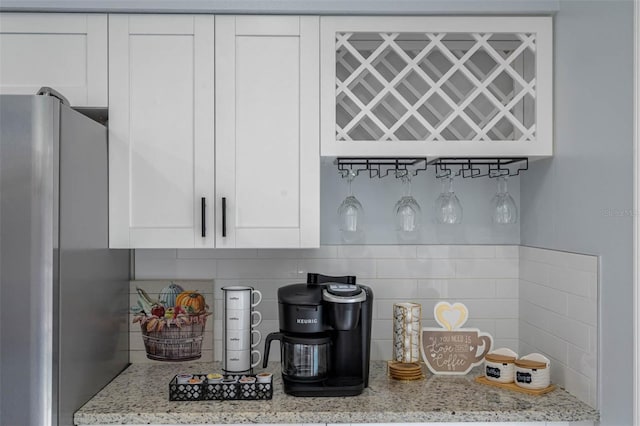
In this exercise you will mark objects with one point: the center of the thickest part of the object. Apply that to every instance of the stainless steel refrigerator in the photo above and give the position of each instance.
(63, 293)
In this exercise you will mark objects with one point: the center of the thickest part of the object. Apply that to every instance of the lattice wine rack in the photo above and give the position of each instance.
(412, 86)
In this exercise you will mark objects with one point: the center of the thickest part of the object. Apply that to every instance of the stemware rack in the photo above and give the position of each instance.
(444, 167)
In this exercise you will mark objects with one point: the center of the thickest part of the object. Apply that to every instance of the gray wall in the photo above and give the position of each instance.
(581, 200)
(379, 196)
(289, 6)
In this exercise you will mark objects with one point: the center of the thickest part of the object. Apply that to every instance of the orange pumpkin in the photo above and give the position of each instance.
(192, 301)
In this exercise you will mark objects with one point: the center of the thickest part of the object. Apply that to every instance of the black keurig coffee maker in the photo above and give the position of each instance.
(325, 336)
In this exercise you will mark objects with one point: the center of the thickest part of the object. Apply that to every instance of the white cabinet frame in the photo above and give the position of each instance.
(75, 36)
(243, 156)
(124, 232)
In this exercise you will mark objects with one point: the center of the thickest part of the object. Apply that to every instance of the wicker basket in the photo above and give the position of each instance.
(174, 343)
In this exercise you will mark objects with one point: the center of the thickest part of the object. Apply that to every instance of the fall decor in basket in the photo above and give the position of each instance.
(173, 333)
(191, 301)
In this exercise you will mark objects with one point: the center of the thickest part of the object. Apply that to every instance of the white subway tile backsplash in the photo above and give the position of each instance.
(402, 289)
(534, 272)
(432, 289)
(507, 288)
(581, 361)
(563, 259)
(507, 252)
(559, 316)
(361, 268)
(377, 252)
(569, 330)
(506, 329)
(155, 254)
(381, 349)
(470, 288)
(545, 297)
(579, 385)
(572, 280)
(415, 268)
(324, 252)
(583, 309)
(487, 268)
(381, 329)
(456, 252)
(502, 342)
(534, 314)
(268, 287)
(175, 269)
(496, 309)
(257, 268)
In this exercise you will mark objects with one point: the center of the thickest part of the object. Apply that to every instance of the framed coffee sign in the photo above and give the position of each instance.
(451, 349)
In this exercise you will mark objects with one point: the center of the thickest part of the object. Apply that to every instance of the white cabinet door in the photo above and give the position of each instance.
(436, 86)
(161, 131)
(67, 52)
(267, 131)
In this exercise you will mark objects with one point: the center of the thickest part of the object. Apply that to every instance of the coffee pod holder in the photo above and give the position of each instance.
(229, 388)
(407, 319)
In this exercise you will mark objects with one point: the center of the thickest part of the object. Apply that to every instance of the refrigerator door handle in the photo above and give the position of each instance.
(48, 91)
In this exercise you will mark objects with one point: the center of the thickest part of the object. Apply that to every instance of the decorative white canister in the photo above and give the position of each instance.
(532, 371)
(499, 365)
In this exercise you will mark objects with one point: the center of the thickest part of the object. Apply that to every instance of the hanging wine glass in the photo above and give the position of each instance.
(407, 210)
(448, 207)
(351, 215)
(505, 211)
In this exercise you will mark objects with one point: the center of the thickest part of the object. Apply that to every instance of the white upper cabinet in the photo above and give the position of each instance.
(436, 86)
(176, 179)
(67, 52)
(267, 131)
(161, 131)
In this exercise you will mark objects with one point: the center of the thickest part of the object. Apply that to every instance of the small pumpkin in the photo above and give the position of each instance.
(169, 294)
(191, 301)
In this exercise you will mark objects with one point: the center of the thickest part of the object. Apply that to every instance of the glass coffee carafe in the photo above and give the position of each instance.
(304, 359)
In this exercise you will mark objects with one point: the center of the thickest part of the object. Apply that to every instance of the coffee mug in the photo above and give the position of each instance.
(242, 339)
(242, 319)
(454, 351)
(241, 297)
(240, 361)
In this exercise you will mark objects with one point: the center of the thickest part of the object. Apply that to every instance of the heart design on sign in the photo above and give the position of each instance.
(451, 317)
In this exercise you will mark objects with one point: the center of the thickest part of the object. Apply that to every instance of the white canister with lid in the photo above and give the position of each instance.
(533, 372)
(499, 365)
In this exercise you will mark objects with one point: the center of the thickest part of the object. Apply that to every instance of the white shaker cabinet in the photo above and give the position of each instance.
(65, 51)
(436, 86)
(161, 131)
(249, 151)
(267, 131)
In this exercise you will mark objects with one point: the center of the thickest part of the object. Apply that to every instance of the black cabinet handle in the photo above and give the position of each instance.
(224, 216)
(203, 212)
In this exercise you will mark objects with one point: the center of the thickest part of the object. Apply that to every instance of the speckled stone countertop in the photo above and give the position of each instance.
(140, 395)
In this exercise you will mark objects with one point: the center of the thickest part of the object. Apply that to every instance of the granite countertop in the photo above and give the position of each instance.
(140, 395)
